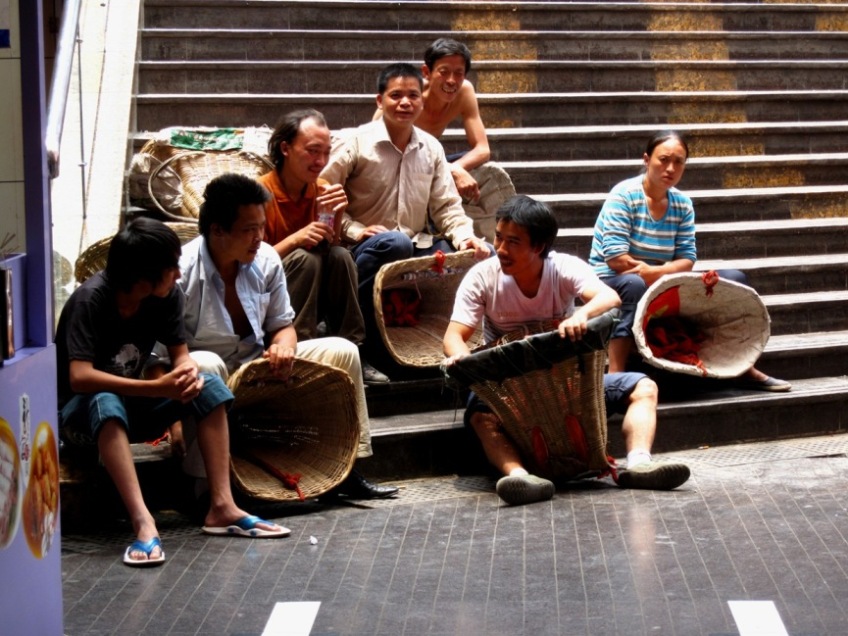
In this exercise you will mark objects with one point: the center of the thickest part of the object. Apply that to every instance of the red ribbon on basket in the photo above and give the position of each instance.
(710, 279)
(439, 265)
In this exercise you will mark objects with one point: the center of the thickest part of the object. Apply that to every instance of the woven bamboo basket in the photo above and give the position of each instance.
(93, 258)
(196, 168)
(421, 345)
(732, 321)
(548, 393)
(304, 429)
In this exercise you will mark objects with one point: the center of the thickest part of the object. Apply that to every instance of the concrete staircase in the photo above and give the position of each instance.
(570, 92)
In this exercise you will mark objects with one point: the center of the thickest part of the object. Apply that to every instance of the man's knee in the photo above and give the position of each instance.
(303, 262)
(646, 390)
(212, 363)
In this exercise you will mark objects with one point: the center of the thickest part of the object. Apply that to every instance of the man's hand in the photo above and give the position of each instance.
(371, 230)
(481, 250)
(333, 197)
(281, 359)
(451, 359)
(467, 186)
(183, 383)
(309, 236)
(573, 327)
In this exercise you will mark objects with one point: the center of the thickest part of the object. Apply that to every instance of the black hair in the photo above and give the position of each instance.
(662, 137)
(142, 251)
(535, 217)
(223, 197)
(399, 69)
(287, 129)
(443, 47)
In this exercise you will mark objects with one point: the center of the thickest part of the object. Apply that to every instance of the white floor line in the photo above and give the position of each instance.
(757, 618)
(292, 619)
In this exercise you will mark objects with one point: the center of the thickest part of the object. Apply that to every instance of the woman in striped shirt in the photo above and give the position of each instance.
(646, 229)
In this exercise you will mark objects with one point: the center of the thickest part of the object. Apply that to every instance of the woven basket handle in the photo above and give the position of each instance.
(155, 175)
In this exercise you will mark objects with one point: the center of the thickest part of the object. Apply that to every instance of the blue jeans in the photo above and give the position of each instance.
(631, 287)
(149, 417)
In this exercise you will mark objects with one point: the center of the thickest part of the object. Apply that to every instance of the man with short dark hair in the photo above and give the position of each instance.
(402, 201)
(237, 305)
(529, 283)
(105, 335)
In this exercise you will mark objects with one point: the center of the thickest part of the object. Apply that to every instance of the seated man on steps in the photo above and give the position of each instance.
(301, 222)
(448, 96)
(237, 306)
(105, 335)
(399, 190)
(528, 283)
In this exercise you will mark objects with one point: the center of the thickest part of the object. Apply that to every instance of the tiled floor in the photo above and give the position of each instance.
(764, 522)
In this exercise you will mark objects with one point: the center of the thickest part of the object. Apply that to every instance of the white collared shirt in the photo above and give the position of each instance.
(261, 289)
(394, 188)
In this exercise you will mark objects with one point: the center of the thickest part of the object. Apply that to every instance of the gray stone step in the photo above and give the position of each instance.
(716, 206)
(501, 76)
(702, 173)
(628, 141)
(155, 111)
(267, 42)
(808, 312)
(809, 355)
(448, 16)
(704, 413)
(824, 238)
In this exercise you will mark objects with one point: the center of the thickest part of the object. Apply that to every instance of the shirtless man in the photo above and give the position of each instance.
(448, 95)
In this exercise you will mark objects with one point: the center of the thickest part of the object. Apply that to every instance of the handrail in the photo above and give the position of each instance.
(60, 84)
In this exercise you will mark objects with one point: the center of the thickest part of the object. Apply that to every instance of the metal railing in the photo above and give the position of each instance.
(60, 85)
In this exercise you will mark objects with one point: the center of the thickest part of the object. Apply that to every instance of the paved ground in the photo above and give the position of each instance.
(763, 522)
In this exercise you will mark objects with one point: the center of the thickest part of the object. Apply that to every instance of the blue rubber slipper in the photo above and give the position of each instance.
(147, 547)
(247, 527)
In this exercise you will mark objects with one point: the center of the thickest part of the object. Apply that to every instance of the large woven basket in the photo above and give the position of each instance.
(93, 258)
(303, 431)
(196, 168)
(548, 393)
(496, 188)
(435, 287)
(732, 322)
(171, 170)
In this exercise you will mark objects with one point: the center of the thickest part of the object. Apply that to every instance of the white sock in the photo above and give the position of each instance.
(517, 472)
(638, 456)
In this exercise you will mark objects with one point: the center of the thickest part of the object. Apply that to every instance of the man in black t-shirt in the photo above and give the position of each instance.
(106, 332)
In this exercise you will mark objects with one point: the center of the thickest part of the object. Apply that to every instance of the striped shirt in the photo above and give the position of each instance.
(625, 226)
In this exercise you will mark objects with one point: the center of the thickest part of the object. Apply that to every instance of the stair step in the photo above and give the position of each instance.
(711, 413)
(714, 206)
(747, 239)
(628, 141)
(501, 76)
(546, 177)
(155, 111)
(268, 43)
(411, 16)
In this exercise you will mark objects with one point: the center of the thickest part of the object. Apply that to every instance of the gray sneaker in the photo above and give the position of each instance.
(518, 490)
(654, 476)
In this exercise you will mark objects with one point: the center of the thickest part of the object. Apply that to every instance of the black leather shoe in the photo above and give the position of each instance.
(357, 487)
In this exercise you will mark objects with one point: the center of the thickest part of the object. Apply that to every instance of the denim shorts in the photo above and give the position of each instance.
(617, 390)
(143, 418)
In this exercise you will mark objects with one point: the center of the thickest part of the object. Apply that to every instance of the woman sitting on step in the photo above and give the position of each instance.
(646, 229)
